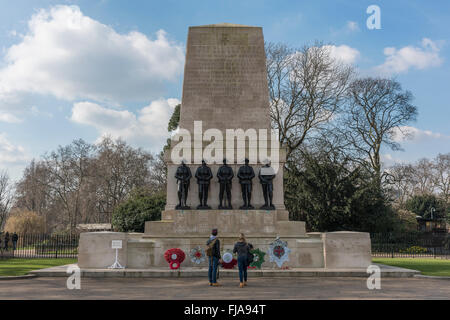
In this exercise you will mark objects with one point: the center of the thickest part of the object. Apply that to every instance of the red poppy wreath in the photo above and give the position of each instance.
(174, 257)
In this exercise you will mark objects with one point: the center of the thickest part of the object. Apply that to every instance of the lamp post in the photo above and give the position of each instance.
(432, 210)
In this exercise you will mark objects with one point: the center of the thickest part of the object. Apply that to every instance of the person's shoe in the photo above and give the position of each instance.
(210, 284)
(245, 283)
(216, 284)
(241, 285)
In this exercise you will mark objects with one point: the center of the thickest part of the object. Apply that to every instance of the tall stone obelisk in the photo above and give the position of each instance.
(225, 87)
(225, 79)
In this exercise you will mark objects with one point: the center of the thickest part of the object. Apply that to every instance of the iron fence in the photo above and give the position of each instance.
(405, 245)
(411, 245)
(39, 246)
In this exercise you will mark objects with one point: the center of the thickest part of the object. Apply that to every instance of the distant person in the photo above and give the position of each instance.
(213, 253)
(6, 240)
(242, 248)
(14, 239)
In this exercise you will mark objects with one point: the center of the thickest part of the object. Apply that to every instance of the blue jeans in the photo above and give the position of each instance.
(212, 270)
(242, 265)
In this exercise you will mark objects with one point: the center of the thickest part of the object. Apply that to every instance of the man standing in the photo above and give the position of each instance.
(15, 238)
(225, 174)
(213, 253)
(6, 240)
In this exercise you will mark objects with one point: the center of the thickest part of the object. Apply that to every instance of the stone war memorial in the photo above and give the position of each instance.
(225, 171)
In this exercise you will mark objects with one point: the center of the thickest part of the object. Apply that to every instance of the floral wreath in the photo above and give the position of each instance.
(197, 255)
(279, 252)
(258, 258)
(174, 257)
(228, 261)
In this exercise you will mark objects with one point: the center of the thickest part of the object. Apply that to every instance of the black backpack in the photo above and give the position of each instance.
(250, 256)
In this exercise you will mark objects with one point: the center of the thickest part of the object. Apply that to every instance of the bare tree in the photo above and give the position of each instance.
(158, 174)
(403, 181)
(68, 171)
(30, 191)
(6, 196)
(306, 89)
(376, 108)
(441, 175)
(119, 169)
(423, 177)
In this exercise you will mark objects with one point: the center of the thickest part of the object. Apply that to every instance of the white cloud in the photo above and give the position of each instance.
(344, 53)
(403, 59)
(70, 56)
(415, 135)
(9, 118)
(147, 128)
(11, 154)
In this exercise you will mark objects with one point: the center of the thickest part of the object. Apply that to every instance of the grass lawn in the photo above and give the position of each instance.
(17, 267)
(429, 267)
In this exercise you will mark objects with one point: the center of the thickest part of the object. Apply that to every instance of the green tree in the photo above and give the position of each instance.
(422, 205)
(174, 119)
(173, 125)
(130, 216)
(331, 195)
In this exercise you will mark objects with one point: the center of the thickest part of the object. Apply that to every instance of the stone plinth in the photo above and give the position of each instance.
(332, 250)
(345, 249)
(95, 250)
(231, 223)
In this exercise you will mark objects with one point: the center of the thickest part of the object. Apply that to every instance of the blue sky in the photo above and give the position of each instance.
(81, 69)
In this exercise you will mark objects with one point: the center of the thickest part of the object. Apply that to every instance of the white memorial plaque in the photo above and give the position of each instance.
(116, 244)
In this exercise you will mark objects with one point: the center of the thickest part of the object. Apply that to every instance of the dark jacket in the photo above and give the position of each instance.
(242, 248)
(216, 248)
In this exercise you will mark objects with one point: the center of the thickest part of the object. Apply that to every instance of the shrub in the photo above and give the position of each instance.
(414, 250)
(23, 221)
(130, 216)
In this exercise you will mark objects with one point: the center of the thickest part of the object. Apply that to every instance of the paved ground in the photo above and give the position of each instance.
(197, 288)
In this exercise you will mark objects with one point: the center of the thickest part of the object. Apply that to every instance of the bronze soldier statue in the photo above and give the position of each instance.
(266, 176)
(203, 175)
(183, 175)
(225, 174)
(245, 175)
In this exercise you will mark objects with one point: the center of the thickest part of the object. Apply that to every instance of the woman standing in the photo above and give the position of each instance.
(242, 248)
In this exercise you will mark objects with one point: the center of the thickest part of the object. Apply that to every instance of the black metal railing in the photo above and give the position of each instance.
(39, 246)
(410, 245)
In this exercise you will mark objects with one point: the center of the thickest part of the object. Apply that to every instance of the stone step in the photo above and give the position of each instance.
(60, 271)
